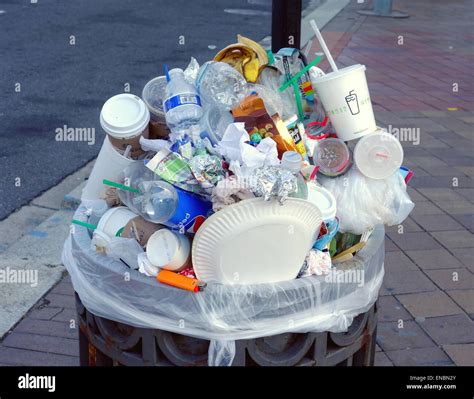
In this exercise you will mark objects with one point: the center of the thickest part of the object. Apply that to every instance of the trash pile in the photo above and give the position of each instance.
(251, 168)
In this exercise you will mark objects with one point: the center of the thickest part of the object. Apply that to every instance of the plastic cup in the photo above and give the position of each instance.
(346, 99)
(168, 250)
(214, 123)
(332, 156)
(112, 224)
(378, 155)
(324, 200)
(125, 119)
(153, 95)
(108, 165)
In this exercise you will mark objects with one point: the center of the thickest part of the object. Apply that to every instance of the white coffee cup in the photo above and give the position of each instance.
(125, 119)
(168, 250)
(108, 165)
(111, 225)
(346, 99)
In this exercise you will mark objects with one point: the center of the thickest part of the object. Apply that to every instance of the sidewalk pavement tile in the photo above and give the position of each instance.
(426, 208)
(61, 301)
(390, 245)
(402, 282)
(382, 360)
(415, 196)
(408, 226)
(397, 261)
(21, 357)
(417, 240)
(419, 357)
(441, 194)
(461, 354)
(42, 343)
(452, 279)
(429, 304)
(464, 298)
(49, 327)
(454, 239)
(434, 259)
(457, 329)
(66, 316)
(390, 309)
(46, 313)
(437, 222)
(390, 337)
(456, 207)
(465, 256)
(467, 220)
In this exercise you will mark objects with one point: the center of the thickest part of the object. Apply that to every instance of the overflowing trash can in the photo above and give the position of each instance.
(235, 216)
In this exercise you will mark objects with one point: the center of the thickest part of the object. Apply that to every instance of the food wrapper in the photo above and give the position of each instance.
(273, 182)
(207, 169)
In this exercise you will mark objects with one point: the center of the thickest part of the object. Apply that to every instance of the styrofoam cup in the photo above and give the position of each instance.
(111, 225)
(168, 250)
(108, 165)
(346, 100)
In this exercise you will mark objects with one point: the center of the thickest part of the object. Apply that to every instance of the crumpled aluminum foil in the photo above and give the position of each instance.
(273, 182)
(207, 169)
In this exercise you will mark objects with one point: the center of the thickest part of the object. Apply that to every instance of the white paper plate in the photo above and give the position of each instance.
(256, 241)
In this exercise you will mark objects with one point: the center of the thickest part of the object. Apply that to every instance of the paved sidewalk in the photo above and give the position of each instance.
(427, 301)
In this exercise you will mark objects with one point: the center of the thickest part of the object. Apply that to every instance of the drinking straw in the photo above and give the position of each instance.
(167, 73)
(121, 186)
(300, 73)
(127, 151)
(83, 224)
(323, 45)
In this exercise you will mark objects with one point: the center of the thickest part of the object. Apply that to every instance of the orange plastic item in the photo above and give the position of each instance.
(178, 281)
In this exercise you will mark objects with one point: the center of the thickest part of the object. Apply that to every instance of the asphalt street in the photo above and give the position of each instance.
(61, 60)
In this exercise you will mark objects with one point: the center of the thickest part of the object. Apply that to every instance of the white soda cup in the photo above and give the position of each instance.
(108, 165)
(346, 100)
(169, 250)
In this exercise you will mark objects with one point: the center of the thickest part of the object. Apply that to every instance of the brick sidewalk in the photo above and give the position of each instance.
(427, 301)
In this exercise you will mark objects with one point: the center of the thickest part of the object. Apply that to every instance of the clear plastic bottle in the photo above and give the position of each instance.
(182, 104)
(291, 160)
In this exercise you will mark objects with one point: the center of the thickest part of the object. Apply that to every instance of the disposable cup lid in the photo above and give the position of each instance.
(378, 155)
(167, 249)
(153, 94)
(332, 156)
(124, 116)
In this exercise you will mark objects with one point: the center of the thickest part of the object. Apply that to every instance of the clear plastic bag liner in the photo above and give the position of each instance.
(223, 313)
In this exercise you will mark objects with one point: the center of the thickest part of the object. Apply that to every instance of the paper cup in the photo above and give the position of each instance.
(140, 229)
(153, 95)
(111, 225)
(125, 119)
(346, 100)
(378, 155)
(168, 250)
(108, 165)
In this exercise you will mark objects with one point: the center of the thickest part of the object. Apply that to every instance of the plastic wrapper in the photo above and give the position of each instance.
(363, 203)
(125, 250)
(223, 313)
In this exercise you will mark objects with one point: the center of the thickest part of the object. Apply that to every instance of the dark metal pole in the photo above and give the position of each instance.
(286, 24)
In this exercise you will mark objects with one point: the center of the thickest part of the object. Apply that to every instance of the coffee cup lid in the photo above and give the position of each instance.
(124, 116)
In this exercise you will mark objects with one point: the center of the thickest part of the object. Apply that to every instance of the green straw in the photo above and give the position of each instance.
(84, 224)
(300, 73)
(121, 186)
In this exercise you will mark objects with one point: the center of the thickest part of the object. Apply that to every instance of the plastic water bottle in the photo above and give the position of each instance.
(291, 161)
(182, 104)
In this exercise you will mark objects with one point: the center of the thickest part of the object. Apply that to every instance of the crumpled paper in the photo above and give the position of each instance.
(229, 191)
(234, 146)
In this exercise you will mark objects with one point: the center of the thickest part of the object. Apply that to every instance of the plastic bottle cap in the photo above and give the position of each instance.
(124, 116)
(291, 160)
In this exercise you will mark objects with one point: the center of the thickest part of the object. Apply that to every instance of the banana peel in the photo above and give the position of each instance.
(246, 56)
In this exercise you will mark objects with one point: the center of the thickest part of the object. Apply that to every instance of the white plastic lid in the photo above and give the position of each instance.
(291, 160)
(332, 156)
(378, 155)
(124, 116)
(324, 200)
(168, 250)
